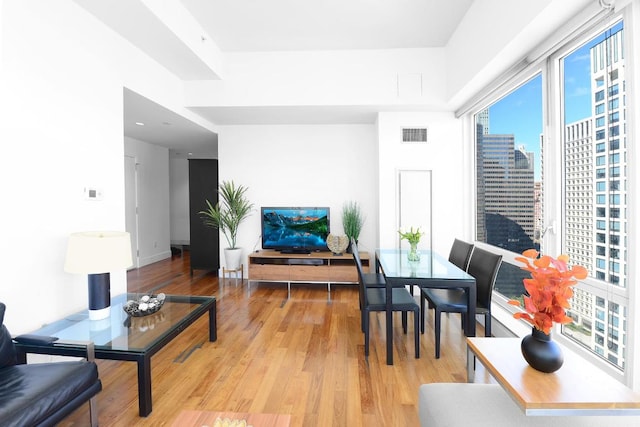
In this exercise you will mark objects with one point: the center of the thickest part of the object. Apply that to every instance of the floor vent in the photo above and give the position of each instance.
(414, 135)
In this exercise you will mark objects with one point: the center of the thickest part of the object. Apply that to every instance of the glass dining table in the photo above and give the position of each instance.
(431, 271)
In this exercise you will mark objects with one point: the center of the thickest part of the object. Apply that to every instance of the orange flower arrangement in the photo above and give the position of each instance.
(549, 289)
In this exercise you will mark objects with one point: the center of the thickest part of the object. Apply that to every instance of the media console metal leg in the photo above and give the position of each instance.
(144, 386)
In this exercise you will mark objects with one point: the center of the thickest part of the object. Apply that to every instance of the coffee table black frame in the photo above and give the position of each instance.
(128, 343)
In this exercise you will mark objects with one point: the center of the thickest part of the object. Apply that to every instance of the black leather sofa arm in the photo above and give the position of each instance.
(44, 341)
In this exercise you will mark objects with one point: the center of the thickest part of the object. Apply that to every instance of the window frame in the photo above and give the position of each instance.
(553, 129)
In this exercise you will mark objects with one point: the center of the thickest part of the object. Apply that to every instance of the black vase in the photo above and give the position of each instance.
(541, 352)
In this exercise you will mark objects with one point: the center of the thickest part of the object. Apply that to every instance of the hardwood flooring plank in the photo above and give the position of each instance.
(302, 356)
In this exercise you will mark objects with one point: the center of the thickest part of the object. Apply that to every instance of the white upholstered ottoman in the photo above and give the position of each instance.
(488, 405)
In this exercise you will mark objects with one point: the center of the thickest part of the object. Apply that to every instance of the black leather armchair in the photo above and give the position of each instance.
(42, 394)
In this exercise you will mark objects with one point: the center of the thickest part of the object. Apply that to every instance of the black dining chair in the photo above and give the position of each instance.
(460, 253)
(371, 280)
(483, 266)
(373, 298)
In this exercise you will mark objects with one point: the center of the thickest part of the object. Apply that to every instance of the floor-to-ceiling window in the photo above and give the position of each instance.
(566, 117)
(508, 176)
(595, 189)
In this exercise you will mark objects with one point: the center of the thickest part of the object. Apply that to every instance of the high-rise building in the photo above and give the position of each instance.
(596, 197)
(507, 192)
(579, 192)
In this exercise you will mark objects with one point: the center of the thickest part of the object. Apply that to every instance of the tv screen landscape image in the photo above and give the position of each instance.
(295, 229)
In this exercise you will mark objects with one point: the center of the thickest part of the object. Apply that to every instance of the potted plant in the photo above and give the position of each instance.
(352, 220)
(413, 237)
(232, 208)
(548, 292)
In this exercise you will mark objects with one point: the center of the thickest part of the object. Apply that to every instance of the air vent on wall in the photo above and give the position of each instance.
(414, 135)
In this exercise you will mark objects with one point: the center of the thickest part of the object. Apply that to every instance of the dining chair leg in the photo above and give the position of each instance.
(404, 322)
(437, 331)
(487, 324)
(365, 324)
(416, 332)
(422, 311)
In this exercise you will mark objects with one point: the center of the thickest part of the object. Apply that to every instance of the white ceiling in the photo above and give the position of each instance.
(147, 121)
(274, 25)
(277, 25)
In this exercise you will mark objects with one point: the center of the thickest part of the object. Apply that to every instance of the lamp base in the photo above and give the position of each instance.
(100, 314)
(99, 296)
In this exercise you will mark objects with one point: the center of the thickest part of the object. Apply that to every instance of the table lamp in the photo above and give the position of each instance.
(97, 253)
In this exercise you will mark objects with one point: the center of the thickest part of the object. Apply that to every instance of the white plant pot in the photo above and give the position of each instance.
(233, 258)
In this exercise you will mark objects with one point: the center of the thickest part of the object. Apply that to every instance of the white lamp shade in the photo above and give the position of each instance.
(96, 252)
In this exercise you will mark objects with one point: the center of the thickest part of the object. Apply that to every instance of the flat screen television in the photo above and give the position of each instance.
(295, 229)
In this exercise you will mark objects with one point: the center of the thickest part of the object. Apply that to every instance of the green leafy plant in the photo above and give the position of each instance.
(229, 212)
(413, 237)
(352, 220)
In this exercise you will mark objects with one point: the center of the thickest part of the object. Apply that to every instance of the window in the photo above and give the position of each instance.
(614, 117)
(608, 191)
(599, 95)
(507, 203)
(590, 194)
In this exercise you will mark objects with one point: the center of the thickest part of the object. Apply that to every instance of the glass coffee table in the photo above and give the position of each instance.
(122, 337)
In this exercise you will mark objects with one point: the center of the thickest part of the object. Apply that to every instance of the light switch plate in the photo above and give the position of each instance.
(92, 193)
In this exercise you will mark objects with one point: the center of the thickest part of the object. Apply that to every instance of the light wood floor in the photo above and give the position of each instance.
(302, 356)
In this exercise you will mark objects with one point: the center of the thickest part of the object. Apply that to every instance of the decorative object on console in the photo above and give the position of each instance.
(337, 244)
(352, 221)
(227, 215)
(413, 237)
(548, 293)
(145, 305)
(97, 253)
(541, 352)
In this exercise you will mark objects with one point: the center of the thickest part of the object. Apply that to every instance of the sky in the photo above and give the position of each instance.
(520, 112)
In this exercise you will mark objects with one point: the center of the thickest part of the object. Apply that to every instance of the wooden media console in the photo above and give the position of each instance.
(316, 267)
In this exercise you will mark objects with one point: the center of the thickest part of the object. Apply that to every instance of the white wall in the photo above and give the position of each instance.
(61, 103)
(443, 155)
(302, 165)
(152, 178)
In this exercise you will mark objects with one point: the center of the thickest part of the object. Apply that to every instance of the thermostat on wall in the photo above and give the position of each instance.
(92, 193)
